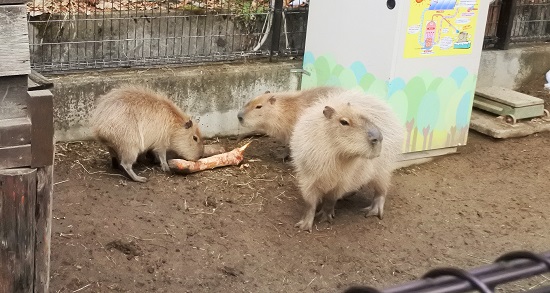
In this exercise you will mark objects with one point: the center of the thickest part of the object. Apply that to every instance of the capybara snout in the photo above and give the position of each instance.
(375, 138)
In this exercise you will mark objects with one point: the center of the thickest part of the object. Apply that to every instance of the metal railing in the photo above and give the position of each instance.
(507, 268)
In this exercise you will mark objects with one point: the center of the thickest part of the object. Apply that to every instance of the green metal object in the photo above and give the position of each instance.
(509, 103)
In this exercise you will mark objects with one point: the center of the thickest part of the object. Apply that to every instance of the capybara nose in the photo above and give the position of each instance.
(240, 116)
(374, 135)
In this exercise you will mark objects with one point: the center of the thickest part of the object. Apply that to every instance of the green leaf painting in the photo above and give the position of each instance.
(435, 110)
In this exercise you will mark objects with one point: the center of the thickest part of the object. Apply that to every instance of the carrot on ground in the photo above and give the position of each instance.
(233, 157)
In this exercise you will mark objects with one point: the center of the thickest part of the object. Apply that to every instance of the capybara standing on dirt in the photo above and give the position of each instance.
(275, 114)
(340, 144)
(130, 120)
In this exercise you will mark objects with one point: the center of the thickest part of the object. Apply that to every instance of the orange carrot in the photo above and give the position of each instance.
(233, 157)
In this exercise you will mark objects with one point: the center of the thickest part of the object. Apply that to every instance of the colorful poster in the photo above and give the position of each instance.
(440, 28)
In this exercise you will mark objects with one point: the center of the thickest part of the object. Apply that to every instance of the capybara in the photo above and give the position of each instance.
(130, 120)
(275, 114)
(340, 144)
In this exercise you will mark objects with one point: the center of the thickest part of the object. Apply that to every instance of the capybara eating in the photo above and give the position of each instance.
(130, 120)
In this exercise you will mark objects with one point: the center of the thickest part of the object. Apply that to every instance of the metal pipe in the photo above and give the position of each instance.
(513, 267)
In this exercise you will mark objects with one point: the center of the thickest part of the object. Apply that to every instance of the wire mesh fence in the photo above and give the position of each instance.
(84, 34)
(531, 21)
(517, 21)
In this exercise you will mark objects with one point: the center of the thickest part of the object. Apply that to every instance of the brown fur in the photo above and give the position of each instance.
(340, 144)
(279, 112)
(132, 119)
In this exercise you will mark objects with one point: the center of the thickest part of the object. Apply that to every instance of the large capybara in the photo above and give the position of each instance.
(130, 120)
(340, 144)
(275, 114)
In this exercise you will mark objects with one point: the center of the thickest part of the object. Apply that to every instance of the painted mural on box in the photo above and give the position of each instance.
(440, 27)
(435, 109)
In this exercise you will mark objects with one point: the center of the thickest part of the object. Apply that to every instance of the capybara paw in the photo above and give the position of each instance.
(304, 225)
(373, 211)
(325, 217)
(140, 179)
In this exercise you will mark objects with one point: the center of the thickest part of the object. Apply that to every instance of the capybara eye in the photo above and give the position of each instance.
(259, 107)
(344, 122)
(195, 138)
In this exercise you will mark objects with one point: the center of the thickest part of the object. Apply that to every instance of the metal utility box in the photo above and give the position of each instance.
(421, 56)
(509, 103)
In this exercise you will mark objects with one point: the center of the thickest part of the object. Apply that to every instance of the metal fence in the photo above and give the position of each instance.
(517, 21)
(531, 21)
(84, 34)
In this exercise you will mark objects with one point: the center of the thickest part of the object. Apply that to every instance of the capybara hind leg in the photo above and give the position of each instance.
(161, 155)
(327, 210)
(115, 163)
(380, 190)
(306, 223)
(130, 172)
(126, 162)
(286, 154)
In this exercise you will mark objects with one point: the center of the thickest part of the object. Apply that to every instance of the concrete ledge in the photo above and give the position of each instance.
(493, 126)
(514, 67)
(210, 93)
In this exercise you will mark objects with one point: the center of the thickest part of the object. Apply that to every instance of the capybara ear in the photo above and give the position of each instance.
(188, 124)
(267, 92)
(272, 100)
(328, 112)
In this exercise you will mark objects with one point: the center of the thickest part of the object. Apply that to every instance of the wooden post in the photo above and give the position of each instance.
(40, 107)
(44, 194)
(505, 24)
(17, 225)
(26, 160)
(14, 40)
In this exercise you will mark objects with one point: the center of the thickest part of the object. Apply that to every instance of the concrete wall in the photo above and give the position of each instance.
(514, 67)
(212, 94)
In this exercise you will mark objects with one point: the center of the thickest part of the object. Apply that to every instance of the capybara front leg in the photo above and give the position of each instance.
(161, 155)
(306, 223)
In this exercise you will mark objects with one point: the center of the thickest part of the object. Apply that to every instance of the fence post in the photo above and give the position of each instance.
(505, 24)
(276, 28)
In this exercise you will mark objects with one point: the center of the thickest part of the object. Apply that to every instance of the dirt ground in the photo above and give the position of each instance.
(231, 229)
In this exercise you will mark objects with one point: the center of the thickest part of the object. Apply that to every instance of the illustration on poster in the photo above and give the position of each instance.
(440, 27)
